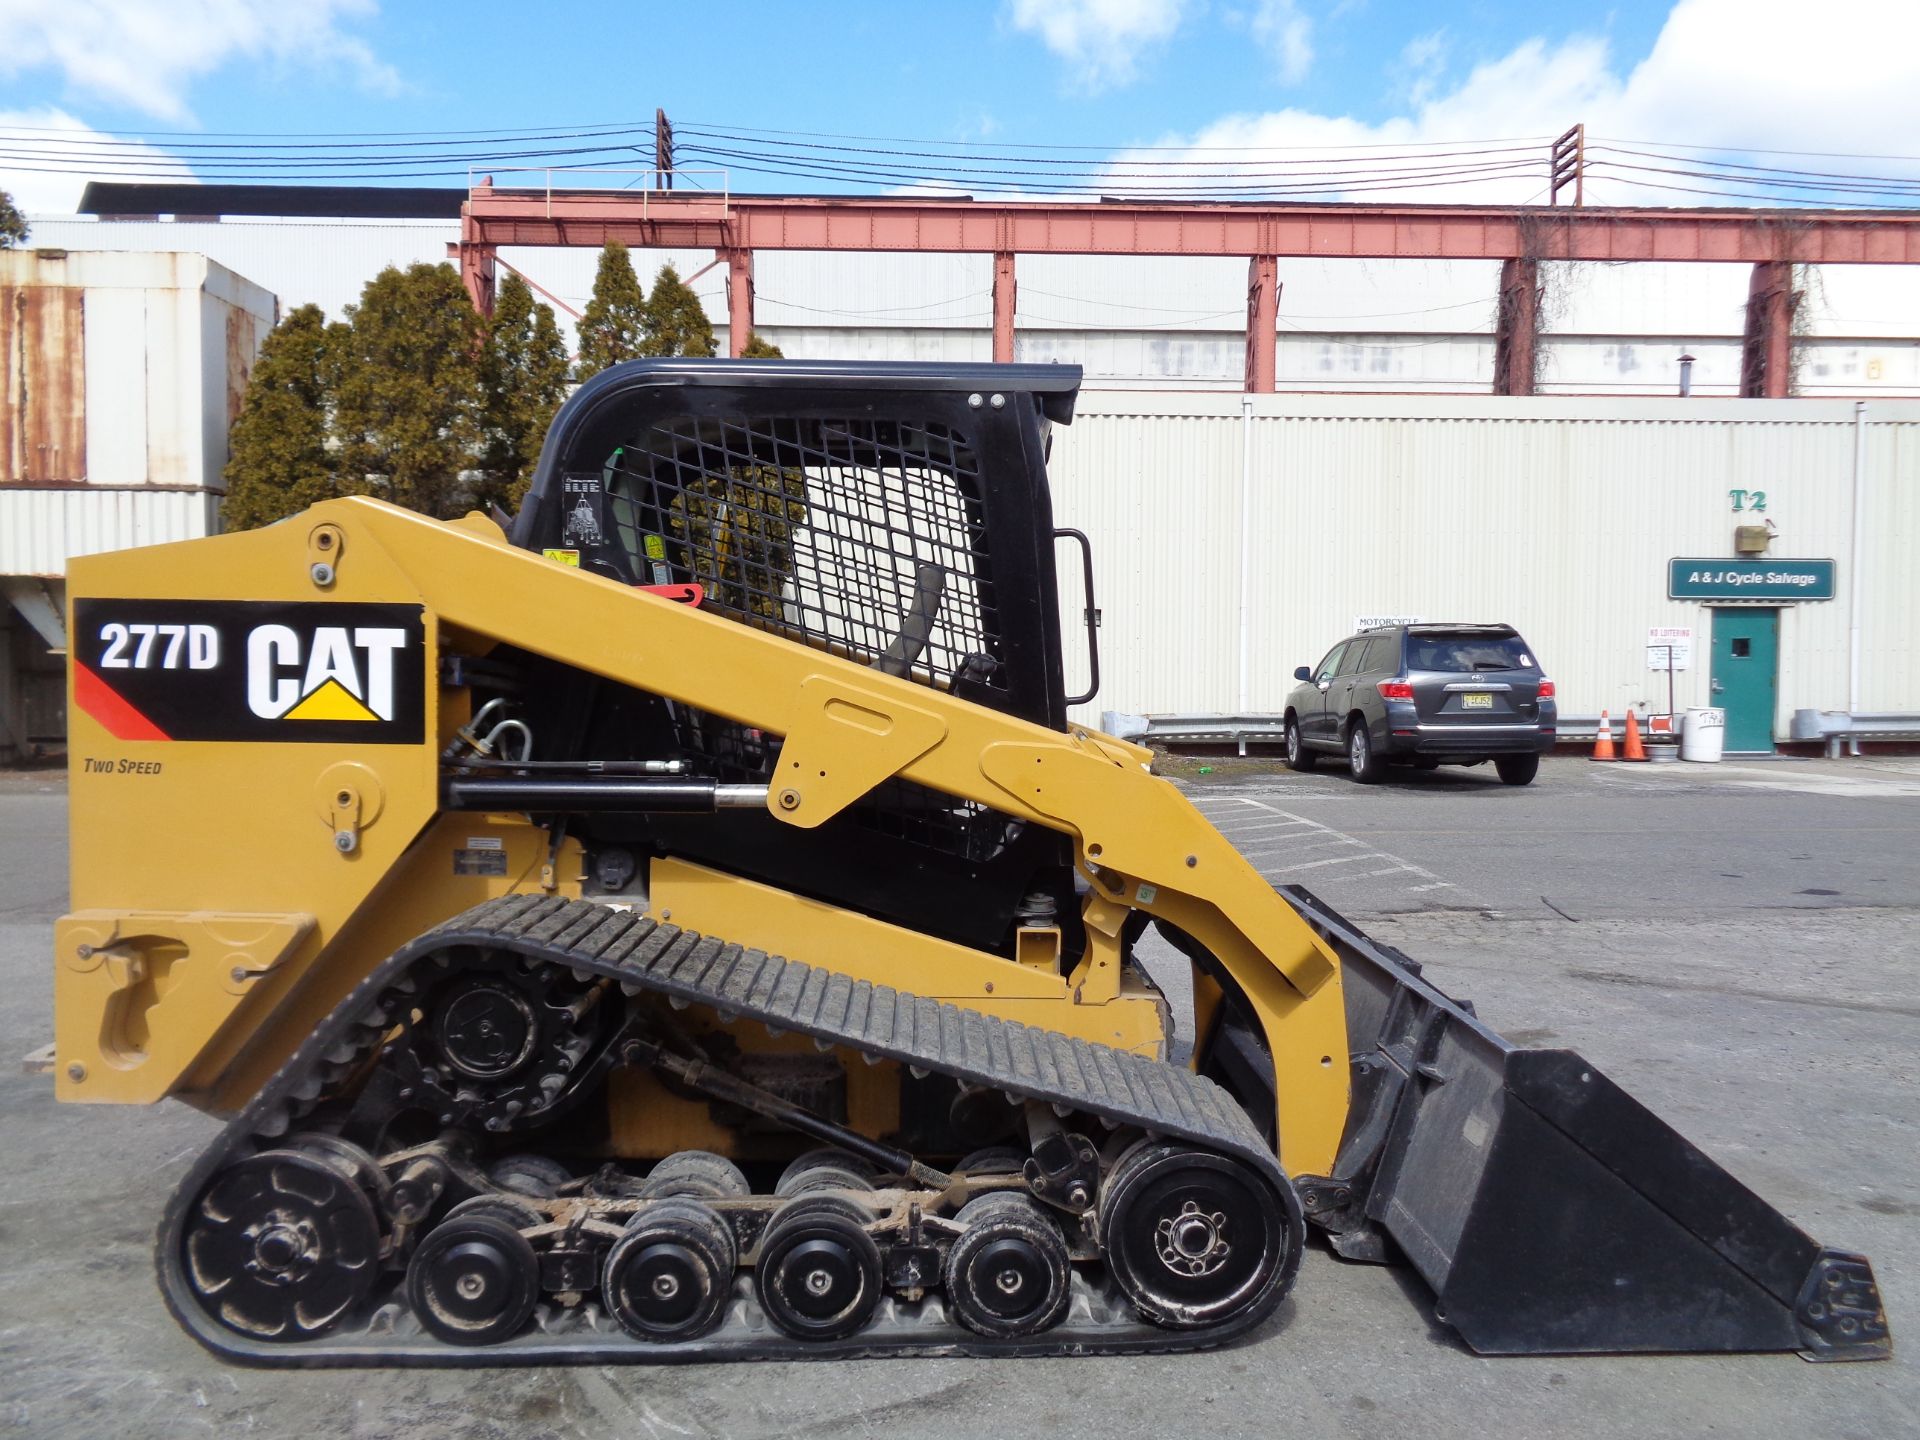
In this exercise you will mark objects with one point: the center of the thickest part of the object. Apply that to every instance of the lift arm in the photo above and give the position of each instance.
(848, 727)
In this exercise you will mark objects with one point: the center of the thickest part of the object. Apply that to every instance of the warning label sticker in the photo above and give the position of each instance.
(479, 862)
(583, 516)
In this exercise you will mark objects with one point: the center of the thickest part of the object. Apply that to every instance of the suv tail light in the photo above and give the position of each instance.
(1395, 690)
(1546, 690)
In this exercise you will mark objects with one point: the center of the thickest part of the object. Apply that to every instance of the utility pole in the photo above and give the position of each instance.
(662, 151)
(1567, 165)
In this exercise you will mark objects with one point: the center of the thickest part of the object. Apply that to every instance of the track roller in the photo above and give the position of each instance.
(825, 1169)
(697, 1173)
(818, 1277)
(669, 1275)
(474, 1279)
(993, 1160)
(538, 1176)
(1194, 1237)
(283, 1243)
(505, 1208)
(1010, 1272)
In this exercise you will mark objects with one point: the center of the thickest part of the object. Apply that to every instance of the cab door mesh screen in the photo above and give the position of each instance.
(864, 537)
(859, 536)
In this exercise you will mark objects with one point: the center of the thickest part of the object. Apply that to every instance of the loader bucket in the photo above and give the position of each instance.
(1549, 1210)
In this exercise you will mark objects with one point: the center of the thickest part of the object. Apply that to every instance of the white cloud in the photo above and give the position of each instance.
(53, 184)
(146, 54)
(1102, 41)
(1423, 60)
(1286, 34)
(1722, 73)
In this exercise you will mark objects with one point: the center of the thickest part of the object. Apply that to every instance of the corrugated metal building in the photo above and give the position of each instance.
(1159, 322)
(1557, 515)
(120, 374)
(1401, 488)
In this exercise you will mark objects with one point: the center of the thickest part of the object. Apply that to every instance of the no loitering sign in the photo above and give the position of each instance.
(1669, 646)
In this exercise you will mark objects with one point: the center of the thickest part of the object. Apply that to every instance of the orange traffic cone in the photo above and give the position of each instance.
(1635, 750)
(1603, 747)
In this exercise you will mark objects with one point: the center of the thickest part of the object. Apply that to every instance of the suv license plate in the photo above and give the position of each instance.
(1478, 700)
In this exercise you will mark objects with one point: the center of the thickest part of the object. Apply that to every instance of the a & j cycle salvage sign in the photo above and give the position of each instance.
(1769, 580)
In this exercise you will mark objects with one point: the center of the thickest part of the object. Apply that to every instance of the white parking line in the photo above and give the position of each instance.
(1306, 840)
(1267, 836)
(1336, 860)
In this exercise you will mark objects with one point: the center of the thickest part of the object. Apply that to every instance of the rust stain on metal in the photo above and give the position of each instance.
(43, 384)
(243, 344)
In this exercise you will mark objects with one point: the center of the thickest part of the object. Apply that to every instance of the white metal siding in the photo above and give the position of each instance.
(40, 530)
(116, 323)
(1557, 515)
(1158, 499)
(168, 342)
(159, 367)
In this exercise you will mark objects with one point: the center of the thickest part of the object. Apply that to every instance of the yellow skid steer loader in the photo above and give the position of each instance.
(684, 924)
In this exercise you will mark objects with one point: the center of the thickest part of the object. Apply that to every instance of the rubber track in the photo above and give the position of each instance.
(643, 954)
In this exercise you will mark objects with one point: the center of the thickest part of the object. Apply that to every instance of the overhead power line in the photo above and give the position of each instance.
(1508, 167)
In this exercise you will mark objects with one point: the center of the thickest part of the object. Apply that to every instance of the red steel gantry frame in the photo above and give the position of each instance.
(1772, 241)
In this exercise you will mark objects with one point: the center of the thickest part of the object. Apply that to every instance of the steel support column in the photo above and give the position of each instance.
(1263, 322)
(1005, 288)
(477, 271)
(1766, 353)
(739, 300)
(1516, 336)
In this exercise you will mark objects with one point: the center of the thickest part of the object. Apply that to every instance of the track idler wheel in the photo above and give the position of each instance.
(1194, 1238)
(668, 1277)
(1010, 1273)
(818, 1277)
(281, 1244)
(474, 1280)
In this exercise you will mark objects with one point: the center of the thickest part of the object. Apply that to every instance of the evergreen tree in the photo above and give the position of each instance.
(279, 461)
(616, 316)
(523, 378)
(409, 404)
(13, 225)
(676, 322)
(758, 349)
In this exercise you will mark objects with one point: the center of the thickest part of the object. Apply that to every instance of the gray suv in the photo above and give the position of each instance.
(1425, 695)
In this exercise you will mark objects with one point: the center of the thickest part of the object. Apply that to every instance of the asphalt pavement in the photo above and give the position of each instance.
(1736, 945)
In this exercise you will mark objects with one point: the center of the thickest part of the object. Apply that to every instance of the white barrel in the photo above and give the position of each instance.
(1704, 735)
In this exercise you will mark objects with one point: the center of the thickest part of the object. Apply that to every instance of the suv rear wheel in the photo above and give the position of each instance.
(1362, 763)
(1517, 769)
(1298, 756)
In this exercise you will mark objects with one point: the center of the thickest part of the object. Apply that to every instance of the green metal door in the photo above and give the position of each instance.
(1745, 646)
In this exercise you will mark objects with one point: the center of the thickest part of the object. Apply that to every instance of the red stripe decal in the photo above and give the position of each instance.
(105, 704)
(684, 594)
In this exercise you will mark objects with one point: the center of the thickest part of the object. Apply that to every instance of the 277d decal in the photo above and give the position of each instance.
(233, 670)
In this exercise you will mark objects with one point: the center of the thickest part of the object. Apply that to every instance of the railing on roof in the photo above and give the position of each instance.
(694, 194)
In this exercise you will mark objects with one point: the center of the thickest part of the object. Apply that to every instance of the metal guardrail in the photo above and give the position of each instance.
(1833, 727)
(1200, 729)
(1837, 728)
(1242, 730)
(616, 188)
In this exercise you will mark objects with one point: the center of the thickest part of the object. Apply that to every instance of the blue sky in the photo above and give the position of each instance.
(1249, 74)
